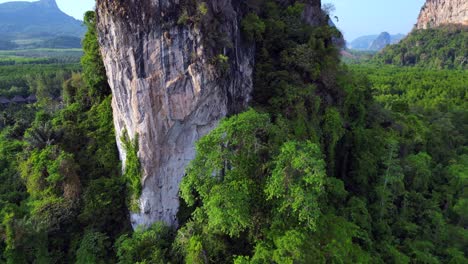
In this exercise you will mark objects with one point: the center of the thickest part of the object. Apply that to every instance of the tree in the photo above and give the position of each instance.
(226, 171)
(92, 248)
(297, 182)
(94, 72)
(146, 246)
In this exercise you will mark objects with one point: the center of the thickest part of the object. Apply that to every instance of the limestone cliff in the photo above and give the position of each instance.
(176, 67)
(440, 12)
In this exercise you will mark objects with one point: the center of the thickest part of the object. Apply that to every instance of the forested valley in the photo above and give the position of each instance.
(332, 163)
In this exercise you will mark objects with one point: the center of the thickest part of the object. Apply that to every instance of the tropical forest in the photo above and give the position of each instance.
(228, 131)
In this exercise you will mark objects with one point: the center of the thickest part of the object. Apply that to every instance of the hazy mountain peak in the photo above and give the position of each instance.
(383, 40)
(30, 20)
(37, 24)
(48, 3)
(375, 42)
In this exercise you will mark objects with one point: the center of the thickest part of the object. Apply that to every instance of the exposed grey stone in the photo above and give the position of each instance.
(166, 89)
(436, 13)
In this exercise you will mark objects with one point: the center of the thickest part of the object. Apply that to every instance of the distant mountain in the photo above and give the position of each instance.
(366, 42)
(439, 39)
(382, 41)
(443, 47)
(362, 43)
(34, 24)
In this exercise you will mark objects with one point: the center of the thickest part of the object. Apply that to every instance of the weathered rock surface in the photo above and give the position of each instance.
(435, 13)
(169, 85)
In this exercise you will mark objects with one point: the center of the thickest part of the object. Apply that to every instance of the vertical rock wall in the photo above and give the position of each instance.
(171, 86)
(439, 12)
(168, 88)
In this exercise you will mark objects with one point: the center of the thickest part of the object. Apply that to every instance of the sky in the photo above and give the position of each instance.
(355, 17)
(74, 8)
(367, 17)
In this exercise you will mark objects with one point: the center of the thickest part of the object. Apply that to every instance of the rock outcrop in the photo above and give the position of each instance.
(365, 42)
(175, 70)
(382, 41)
(436, 13)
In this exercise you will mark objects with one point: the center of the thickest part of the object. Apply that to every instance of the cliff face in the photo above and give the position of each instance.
(167, 65)
(439, 12)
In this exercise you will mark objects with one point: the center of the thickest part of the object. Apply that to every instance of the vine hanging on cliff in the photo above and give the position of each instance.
(132, 171)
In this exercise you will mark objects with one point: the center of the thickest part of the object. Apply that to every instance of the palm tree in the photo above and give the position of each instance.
(41, 136)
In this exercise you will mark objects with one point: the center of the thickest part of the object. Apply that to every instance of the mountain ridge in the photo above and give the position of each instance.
(438, 40)
(443, 47)
(436, 13)
(383, 40)
(365, 42)
(25, 22)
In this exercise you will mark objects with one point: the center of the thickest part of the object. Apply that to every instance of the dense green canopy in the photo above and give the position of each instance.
(331, 164)
(444, 47)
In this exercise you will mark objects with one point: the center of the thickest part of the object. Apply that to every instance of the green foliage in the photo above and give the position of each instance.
(236, 160)
(104, 204)
(435, 48)
(195, 251)
(202, 9)
(377, 194)
(297, 182)
(357, 56)
(183, 18)
(99, 125)
(395, 180)
(71, 89)
(293, 61)
(222, 63)
(11, 189)
(333, 164)
(193, 12)
(289, 248)
(62, 197)
(132, 172)
(47, 171)
(253, 27)
(399, 88)
(94, 72)
(333, 131)
(224, 180)
(146, 246)
(426, 106)
(43, 80)
(41, 135)
(91, 248)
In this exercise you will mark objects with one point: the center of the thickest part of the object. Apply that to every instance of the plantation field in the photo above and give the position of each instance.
(40, 56)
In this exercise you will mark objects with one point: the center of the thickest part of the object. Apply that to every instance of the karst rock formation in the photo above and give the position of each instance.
(176, 67)
(436, 13)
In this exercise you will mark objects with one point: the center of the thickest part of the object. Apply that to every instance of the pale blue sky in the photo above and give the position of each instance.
(356, 17)
(75, 8)
(367, 17)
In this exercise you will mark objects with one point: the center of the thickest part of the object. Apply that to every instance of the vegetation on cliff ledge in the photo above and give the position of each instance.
(132, 172)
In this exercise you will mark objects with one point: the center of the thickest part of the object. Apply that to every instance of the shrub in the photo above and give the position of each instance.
(253, 27)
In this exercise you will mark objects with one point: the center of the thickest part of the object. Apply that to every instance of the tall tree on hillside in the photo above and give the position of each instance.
(94, 73)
